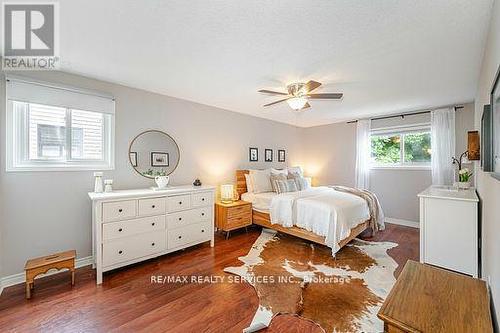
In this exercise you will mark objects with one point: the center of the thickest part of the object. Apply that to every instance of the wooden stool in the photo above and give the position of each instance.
(37, 266)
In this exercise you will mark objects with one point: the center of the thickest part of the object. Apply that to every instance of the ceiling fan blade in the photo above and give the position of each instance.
(276, 102)
(311, 85)
(326, 96)
(265, 91)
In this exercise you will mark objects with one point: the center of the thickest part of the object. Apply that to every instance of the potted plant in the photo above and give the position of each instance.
(464, 178)
(160, 177)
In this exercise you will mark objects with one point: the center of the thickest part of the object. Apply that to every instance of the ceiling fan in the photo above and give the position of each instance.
(299, 94)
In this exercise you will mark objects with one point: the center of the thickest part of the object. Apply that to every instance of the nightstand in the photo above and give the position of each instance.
(233, 216)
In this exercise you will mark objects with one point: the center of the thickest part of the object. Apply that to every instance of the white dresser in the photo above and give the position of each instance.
(134, 225)
(449, 235)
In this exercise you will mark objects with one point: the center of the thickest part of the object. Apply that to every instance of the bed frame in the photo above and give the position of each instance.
(264, 220)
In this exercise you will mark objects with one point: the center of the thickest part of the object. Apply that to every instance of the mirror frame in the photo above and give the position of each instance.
(151, 131)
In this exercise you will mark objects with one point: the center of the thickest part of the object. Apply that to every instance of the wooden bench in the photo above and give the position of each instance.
(42, 265)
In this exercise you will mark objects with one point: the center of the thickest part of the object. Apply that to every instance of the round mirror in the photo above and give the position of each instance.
(154, 153)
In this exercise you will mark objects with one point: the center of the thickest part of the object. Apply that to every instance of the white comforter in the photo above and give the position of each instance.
(322, 210)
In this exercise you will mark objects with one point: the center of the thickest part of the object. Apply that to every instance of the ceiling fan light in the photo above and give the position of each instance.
(297, 103)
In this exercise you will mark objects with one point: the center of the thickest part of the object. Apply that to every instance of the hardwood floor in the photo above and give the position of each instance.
(127, 301)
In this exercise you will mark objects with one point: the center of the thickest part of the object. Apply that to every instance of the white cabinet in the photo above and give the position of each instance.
(135, 225)
(449, 229)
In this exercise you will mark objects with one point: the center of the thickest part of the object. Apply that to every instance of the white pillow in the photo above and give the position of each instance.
(308, 182)
(248, 180)
(295, 170)
(261, 180)
(279, 172)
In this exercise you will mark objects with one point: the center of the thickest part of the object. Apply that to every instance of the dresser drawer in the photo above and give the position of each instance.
(130, 248)
(119, 210)
(188, 234)
(202, 214)
(202, 199)
(121, 229)
(153, 206)
(178, 202)
(180, 219)
(239, 216)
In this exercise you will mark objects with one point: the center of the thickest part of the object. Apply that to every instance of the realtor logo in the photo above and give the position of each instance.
(30, 36)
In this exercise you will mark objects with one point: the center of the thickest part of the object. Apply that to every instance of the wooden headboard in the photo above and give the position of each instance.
(241, 183)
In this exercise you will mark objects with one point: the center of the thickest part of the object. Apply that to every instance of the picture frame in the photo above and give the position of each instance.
(160, 159)
(268, 155)
(281, 155)
(133, 158)
(253, 154)
(495, 112)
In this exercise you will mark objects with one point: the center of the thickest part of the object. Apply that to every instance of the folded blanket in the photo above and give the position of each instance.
(377, 218)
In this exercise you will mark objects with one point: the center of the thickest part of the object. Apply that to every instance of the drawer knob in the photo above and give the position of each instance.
(179, 237)
(202, 199)
(120, 252)
(202, 230)
(180, 202)
(153, 206)
(120, 230)
(120, 210)
(152, 244)
(153, 224)
(180, 218)
(202, 214)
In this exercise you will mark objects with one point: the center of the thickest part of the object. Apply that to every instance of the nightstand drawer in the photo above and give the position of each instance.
(239, 221)
(239, 211)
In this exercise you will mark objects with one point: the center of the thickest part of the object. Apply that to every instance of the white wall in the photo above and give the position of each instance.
(329, 155)
(44, 212)
(488, 187)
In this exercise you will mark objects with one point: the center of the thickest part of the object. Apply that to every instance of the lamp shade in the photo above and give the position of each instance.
(226, 193)
(297, 103)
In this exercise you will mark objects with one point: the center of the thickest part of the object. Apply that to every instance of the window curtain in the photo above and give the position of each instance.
(443, 146)
(363, 151)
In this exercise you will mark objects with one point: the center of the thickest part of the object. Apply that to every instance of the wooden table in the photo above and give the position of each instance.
(430, 299)
(42, 265)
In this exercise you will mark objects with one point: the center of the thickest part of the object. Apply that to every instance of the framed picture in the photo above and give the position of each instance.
(473, 146)
(268, 155)
(133, 158)
(253, 154)
(159, 159)
(281, 155)
(495, 110)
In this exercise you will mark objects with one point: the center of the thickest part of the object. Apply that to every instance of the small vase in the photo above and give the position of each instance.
(161, 181)
(463, 185)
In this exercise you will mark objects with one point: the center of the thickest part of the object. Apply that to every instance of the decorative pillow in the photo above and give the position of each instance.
(274, 178)
(248, 180)
(301, 182)
(284, 186)
(261, 180)
(295, 170)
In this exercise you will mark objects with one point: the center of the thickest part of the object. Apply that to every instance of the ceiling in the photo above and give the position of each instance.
(385, 56)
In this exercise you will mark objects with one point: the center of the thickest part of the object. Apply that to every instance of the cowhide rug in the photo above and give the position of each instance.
(293, 276)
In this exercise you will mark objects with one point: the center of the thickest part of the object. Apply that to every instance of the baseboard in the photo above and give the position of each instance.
(14, 279)
(406, 223)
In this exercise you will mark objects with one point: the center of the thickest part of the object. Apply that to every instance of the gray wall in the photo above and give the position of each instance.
(329, 155)
(488, 187)
(43, 212)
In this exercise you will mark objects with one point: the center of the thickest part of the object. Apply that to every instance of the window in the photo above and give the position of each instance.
(43, 136)
(403, 148)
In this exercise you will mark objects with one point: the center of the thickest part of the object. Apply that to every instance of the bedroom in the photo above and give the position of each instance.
(193, 72)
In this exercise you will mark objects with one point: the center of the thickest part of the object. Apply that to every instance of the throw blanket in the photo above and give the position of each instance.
(321, 210)
(376, 221)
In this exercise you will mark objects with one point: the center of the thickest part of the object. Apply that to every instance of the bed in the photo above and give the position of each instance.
(261, 205)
